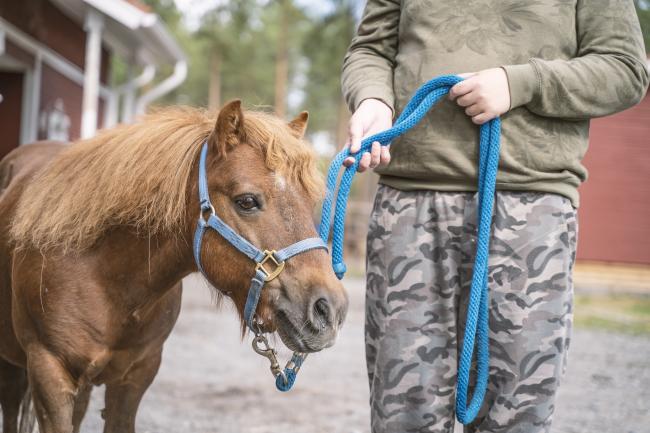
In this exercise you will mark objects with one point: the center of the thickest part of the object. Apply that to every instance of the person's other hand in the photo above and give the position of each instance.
(485, 95)
(372, 116)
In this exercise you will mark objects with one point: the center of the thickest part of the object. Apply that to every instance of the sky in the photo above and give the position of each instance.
(194, 9)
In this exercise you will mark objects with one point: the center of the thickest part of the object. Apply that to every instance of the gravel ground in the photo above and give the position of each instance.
(211, 382)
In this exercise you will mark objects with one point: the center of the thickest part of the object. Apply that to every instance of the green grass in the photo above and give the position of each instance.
(628, 314)
(618, 313)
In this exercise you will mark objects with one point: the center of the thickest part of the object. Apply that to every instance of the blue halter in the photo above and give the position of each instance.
(477, 326)
(268, 265)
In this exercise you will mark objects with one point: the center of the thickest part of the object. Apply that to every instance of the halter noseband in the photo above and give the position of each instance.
(268, 265)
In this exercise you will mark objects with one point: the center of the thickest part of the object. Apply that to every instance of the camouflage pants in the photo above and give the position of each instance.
(421, 246)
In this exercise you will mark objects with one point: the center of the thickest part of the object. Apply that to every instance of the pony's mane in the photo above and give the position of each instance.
(138, 174)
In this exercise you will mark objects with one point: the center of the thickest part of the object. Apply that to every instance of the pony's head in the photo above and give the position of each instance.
(263, 183)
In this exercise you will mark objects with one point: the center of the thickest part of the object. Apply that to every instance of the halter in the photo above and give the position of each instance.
(268, 265)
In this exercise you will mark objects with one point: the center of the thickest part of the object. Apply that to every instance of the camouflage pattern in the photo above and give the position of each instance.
(420, 250)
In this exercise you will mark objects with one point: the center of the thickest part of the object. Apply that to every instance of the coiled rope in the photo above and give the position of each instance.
(476, 326)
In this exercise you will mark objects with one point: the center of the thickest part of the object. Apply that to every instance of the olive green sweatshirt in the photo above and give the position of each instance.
(567, 61)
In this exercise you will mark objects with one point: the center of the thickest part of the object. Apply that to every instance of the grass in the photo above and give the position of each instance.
(619, 313)
(625, 313)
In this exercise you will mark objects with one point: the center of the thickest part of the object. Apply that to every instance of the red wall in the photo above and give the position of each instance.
(44, 22)
(11, 89)
(615, 201)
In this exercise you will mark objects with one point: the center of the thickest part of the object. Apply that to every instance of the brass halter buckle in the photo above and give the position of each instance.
(269, 256)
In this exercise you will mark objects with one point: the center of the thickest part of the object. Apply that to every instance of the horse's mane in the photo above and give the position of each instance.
(138, 175)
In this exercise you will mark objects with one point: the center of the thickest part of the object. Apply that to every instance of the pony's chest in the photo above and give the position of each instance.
(140, 335)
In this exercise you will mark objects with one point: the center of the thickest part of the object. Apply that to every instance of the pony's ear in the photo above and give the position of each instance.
(299, 124)
(229, 129)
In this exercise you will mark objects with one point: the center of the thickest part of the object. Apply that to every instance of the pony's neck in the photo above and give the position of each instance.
(145, 267)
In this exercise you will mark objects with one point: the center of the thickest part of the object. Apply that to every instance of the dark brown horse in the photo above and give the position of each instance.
(95, 238)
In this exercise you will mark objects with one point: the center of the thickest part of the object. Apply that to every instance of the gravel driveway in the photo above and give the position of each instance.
(211, 382)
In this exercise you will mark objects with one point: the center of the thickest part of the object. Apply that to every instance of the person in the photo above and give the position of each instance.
(546, 67)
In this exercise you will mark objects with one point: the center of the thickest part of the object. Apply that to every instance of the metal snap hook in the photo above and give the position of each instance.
(262, 347)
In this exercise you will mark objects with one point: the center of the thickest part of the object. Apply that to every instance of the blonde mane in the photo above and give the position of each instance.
(138, 174)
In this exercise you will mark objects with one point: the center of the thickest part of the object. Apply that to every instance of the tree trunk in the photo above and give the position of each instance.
(214, 87)
(342, 124)
(282, 62)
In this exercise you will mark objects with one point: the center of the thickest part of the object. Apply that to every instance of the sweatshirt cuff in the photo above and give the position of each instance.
(374, 92)
(522, 82)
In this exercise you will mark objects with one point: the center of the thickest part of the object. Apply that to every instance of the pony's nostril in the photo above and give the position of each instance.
(322, 311)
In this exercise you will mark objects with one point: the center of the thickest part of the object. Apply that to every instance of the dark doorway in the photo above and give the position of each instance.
(11, 104)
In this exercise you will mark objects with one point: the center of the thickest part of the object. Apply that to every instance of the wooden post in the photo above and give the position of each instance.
(282, 62)
(214, 86)
(94, 25)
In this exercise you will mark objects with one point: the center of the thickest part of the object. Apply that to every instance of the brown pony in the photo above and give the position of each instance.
(95, 238)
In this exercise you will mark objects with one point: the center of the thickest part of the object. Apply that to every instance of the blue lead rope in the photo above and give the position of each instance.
(476, 326)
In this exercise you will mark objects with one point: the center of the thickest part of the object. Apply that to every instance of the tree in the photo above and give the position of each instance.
(325, 47)
(224, 32)
(264, 50)
(643, 10)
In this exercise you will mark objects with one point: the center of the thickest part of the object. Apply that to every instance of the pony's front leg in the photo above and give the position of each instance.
(53, 391)
(13, 385)
(123, 397)
(81, 406)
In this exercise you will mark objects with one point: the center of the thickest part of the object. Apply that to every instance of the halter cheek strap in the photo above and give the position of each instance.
(269, 263)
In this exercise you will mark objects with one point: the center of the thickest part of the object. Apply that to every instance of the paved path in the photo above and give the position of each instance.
(211, 382)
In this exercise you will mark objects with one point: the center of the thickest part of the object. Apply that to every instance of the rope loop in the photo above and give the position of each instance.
(477, 326)
(284, 381)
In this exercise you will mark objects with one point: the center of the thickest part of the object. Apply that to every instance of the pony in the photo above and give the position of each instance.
(96, 236)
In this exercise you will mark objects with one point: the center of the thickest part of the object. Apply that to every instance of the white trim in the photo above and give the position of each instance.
(31, 102)
(129, 30)
(8, 63)
(2, 41)
(94, 26)
(167, 85)
(130, 89)
(124, 13)
(57, 62)
(111, 109)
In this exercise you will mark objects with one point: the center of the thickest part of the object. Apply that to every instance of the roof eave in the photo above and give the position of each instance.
(155, 44)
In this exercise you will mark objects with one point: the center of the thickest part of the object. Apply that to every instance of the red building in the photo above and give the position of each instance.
(55, 57)
(614, 209)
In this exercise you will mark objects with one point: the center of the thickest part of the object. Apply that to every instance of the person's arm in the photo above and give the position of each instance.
(367, 78)
(608, 74)
(368, 65)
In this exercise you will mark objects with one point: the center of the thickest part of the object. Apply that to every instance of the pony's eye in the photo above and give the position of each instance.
(247, 202)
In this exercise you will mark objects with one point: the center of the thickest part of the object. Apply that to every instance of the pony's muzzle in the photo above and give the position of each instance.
(309, 317)
(327, 309)
(325, 313)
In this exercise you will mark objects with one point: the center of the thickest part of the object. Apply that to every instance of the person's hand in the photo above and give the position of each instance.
(485, 94)
(372, 116)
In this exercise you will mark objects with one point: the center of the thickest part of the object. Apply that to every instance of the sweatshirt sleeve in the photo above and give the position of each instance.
(369, 62)
(608, 74)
